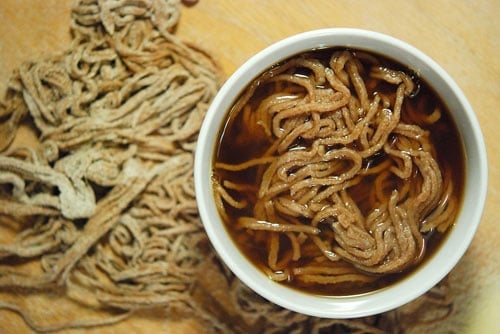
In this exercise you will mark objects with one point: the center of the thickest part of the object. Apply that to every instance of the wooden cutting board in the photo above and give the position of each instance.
(461, 36)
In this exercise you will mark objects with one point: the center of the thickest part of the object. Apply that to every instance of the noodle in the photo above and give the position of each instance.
(117, 116)
(329, 124)
(102, 205)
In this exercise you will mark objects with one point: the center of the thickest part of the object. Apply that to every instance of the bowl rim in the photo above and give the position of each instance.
(428, 274)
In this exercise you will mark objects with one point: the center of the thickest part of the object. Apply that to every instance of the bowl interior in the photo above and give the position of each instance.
(428, 274)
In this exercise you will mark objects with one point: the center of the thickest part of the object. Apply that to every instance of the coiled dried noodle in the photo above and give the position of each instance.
(103, 204)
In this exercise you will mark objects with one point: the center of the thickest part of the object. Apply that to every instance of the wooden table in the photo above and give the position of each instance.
(461, 36)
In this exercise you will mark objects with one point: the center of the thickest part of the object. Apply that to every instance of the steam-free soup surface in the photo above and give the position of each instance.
(338, 171)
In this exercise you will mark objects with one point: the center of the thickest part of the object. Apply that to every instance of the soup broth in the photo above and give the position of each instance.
(338, 171)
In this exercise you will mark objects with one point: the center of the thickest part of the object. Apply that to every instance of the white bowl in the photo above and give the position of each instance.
(430, 272)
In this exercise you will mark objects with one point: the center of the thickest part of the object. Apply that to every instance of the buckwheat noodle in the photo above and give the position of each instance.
(327, 129)
(101, 207)
(101, 204)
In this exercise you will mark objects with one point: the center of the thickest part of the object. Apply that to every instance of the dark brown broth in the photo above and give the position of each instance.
(238, 144)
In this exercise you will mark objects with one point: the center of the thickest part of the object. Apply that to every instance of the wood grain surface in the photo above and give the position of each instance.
(462, 36)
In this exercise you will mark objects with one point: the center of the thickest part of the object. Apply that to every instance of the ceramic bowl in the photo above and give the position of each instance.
(431, 271)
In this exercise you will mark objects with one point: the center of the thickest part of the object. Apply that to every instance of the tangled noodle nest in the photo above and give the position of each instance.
(102, 206)
(344, 177)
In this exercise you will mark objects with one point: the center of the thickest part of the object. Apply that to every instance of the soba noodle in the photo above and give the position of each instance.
(120, 110)
(338, 183)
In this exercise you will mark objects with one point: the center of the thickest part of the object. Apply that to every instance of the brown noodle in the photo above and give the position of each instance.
(327, 132)
(102, 207)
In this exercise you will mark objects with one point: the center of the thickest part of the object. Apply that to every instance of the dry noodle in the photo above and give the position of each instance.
(104, 203)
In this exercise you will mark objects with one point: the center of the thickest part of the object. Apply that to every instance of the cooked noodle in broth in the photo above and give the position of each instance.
(338, 171)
